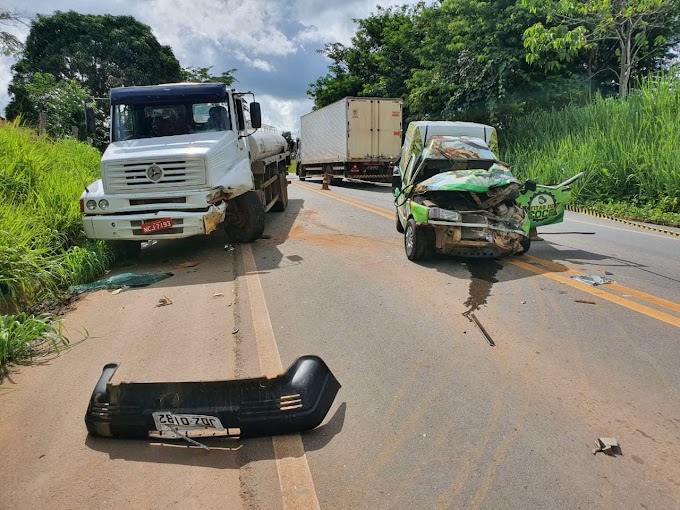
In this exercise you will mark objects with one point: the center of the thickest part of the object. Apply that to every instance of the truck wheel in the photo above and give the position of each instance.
(128, 250)
(400, 227)
(247, 224)
(281, 190)
(301, 173)
(417, 241)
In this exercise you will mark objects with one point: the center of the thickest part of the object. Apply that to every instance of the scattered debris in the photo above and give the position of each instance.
(608, 273)
(585, 301)
(228, 247)
(266, 236)
(472, 318)
(185, 265)
(164, 301)
(593, 280)
(234, 331)
(522, 302)
(121, 289)
(608, 445)
(218, 294)
(119, 281)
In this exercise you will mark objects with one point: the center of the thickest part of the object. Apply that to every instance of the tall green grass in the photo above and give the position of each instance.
(629, 149)
(42, 245)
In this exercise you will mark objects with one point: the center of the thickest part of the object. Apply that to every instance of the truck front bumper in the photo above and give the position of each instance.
(128, 227)
(295, 401)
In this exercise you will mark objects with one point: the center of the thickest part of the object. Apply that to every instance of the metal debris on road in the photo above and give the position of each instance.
(585, 301)
(607, 445)
(164, 301)
(234, 331)
(593, 280)
(472, 318)
(119, 281)
(186, 265)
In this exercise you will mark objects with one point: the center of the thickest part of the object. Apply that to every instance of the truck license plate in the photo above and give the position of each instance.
(156, 225)
(186, 422)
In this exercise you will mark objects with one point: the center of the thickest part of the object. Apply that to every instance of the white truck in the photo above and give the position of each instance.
(356, 137)
(184, 159)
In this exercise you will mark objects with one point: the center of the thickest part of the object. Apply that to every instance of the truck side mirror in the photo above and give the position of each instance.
(255, 115)
(89, 121)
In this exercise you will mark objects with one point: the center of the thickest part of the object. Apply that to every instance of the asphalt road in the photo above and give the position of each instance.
(429, 416)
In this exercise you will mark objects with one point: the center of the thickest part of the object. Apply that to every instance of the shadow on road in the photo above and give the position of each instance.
(224, 453)
(214, 255)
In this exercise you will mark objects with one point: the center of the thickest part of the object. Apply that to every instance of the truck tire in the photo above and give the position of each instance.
(247, 224)
(281, 189)
(418, 241)
(301, 173)
(128, 250)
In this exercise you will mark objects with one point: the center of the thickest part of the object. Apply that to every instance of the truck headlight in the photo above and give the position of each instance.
(104, 204)
(436, 213)
(91, 205)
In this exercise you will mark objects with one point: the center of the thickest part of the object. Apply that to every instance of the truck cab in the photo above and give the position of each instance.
(184, 159)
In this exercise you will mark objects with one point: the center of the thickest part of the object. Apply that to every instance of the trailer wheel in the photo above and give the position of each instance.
(247, 223)
(301, 173)
(418, 241)
(281, 189)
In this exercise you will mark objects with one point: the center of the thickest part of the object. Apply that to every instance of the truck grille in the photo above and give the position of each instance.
(132, 177)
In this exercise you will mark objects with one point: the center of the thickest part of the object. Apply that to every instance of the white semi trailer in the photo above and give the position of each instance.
(183, 160)
(356, 137)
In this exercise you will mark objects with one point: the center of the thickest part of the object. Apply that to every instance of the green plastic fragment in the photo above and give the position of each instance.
(120, 280)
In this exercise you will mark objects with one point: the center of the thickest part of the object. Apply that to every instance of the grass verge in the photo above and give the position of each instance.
(43, 249)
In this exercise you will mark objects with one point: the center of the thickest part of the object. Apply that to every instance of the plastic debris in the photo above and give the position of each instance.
(164, 301)
(218, 294)
(122, 289)
(228, 247)
(234, 331)
(119, 281)
(185, 265)
(593, 280)
(585, 301)
(608, 273)
(607, 445)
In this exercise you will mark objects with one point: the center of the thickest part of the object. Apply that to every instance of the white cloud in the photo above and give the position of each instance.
(256, 63)
(284, 114)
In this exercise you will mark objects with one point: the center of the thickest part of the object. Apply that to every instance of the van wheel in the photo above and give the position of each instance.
(400, 227)
(281, 189)
(246, 224)
(418, 241)
(526, 244)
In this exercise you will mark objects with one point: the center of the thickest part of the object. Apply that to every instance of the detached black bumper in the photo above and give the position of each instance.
(295, 401)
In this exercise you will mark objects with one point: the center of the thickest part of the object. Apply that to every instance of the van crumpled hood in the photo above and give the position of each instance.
(198, 144)
(477, 180)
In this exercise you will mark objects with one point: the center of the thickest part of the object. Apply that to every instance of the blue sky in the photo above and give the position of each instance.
(272, 43)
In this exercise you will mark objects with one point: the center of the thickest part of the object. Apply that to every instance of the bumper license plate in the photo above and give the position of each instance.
(156, 225)
(186, 422)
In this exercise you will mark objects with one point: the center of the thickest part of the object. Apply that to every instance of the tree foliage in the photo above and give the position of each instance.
(634, 33)
(10, 45)
(470, 59)
(97, 52)
(203, 75)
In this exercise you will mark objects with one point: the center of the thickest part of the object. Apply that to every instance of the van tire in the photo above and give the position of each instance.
(418, 241)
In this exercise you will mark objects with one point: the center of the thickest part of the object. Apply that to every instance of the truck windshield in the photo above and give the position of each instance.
(151, 121)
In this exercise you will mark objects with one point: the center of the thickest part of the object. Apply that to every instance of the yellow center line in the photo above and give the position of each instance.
(550, 269)
(631, 305)
(295, 478)
(554, 266)
(380, 211)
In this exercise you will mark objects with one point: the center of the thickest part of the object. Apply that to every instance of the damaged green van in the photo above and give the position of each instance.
(453, 195)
